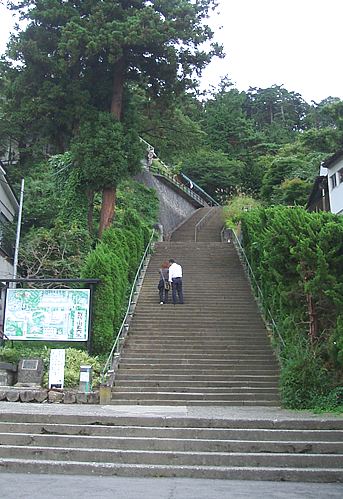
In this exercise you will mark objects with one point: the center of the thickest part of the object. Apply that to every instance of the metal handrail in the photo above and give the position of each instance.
(213, 202)
(181, 186)
(166, 173)
(265, 311)
(201, 222)
(107, 376)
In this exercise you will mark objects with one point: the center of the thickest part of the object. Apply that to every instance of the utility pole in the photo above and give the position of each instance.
(16, 249)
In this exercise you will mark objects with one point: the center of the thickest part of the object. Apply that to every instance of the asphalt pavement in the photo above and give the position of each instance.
(30, 486)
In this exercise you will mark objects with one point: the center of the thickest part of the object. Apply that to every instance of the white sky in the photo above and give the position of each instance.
(297, 43)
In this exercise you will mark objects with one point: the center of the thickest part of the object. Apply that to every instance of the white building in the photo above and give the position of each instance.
(9, 207)
(334, 166)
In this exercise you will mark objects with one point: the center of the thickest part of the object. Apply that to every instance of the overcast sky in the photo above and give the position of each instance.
(297, 43)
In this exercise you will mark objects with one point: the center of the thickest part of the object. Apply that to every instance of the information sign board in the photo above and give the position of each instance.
(47, 314)
(56, 369)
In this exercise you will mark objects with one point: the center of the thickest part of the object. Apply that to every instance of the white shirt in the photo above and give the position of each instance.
(175, 270)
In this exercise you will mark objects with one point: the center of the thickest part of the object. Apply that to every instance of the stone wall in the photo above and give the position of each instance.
(41, 395)
(175, 205)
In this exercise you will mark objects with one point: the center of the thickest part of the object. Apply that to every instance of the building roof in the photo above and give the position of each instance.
(332, 160)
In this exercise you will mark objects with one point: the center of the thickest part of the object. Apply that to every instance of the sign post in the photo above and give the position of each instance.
(56, 369)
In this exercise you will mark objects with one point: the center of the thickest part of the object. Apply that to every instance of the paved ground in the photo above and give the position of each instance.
(23, 486)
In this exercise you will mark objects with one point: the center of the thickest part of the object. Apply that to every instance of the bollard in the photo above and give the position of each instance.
(105, 393)
(85, 379)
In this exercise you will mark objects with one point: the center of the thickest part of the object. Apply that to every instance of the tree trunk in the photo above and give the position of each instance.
(118, 87)
(107, 208)
(109, 192)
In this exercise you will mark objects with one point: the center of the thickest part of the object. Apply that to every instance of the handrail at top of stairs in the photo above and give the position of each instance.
(202, 221)
(107, 376)
(184, 188)
(165, 171)
(266, 313)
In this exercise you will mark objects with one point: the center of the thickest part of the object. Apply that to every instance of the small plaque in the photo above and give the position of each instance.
(31, 365)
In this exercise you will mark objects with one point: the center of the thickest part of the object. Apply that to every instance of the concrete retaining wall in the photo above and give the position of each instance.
(175, 205)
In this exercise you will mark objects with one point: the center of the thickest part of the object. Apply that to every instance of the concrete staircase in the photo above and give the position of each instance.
(171, 444)
(213, 350)
(195, 395)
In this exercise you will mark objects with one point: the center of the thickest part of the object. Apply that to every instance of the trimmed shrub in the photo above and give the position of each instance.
(297, 258)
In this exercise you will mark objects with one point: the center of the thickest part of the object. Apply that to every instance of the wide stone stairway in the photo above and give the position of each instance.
(214, 349)
(196, 392)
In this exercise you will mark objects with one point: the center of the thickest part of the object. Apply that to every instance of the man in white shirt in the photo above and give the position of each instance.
(175, 278)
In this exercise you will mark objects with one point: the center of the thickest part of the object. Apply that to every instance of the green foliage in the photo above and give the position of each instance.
(100, 152)
(298, 260)
(236, 207)
(292, 192)
(62, 65)
(74, 359)
(73, 202)
(304, 380)
(55, 252)
(139, 198)
(23, 350)
(214, 172)
(41, 200)
(115, 260)
(277, 111)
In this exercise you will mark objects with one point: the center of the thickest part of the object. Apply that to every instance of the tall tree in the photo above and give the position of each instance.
(91, 50)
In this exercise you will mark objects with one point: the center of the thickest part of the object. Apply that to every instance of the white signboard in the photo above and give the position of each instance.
(56, 369)
(47, 314)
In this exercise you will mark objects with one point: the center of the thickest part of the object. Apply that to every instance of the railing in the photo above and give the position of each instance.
(210, 200)
(265, 312)
(165, 171)
(202, 221)
(183, 187)
(108, 372)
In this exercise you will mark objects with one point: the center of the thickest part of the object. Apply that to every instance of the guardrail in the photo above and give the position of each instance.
(165, 171)
(265, 312)
(171, 178)
(108, 372)
(201, 222)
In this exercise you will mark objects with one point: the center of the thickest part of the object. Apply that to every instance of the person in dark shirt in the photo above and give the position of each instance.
(164, 285)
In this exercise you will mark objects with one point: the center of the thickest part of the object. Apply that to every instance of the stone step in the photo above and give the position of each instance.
(194, 369)
(175, 377)
(199, 402)
(189, 384)
(135, 346)
(180, 458)
(139, 470)
(205, 433)
(205, 355)
(187, 444)
(237, 396)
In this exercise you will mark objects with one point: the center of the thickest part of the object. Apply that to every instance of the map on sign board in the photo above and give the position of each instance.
(47, 314)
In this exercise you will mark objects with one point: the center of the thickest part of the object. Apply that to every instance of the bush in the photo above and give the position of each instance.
(297, 258)
(115, 261)
(74, 359)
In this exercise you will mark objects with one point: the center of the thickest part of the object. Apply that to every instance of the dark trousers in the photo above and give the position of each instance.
(163, 292)
(177, 289)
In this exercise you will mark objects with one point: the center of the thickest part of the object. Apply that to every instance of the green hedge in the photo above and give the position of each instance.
(297, 258)
(115, 261)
